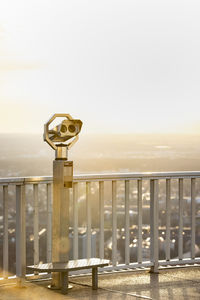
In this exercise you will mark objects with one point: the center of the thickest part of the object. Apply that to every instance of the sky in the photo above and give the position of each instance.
(119, 66)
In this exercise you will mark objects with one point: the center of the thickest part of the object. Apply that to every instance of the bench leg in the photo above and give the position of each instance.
(94, 278)
(56, 281)
(64, 282)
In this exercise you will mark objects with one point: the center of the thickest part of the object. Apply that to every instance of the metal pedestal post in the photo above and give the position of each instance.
(62, 175)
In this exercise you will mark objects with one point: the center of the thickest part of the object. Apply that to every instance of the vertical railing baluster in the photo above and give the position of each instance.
(154, 251)
(49, 220)
(36, 224)
(101, 219)
(168, 217)
(88, 217)
(180, 233)
(5, 231)
(20, 233)
(193, 223)
(139, 209)
(127, 223)
(114, 223)
(75, 220)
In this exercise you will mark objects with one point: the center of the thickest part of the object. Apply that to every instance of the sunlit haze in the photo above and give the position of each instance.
(120, 66)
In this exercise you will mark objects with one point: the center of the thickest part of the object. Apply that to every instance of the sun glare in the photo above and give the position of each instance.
(117, 69)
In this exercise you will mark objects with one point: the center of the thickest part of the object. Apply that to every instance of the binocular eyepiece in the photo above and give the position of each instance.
(65, 130)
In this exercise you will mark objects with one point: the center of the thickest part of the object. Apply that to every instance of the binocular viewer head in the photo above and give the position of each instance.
(69, 128)
(65, 130)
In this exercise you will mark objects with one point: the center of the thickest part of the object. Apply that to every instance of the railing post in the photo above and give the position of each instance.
(36, 224)
(154, 250)
(88, 216)
(101, 219)
(139, 205)
(75, 220)
(193, 223)
(5, 231)
(49, 220)
(180, 231)
(114, 223)
(168, 219)
(127, 224)
(20, 233)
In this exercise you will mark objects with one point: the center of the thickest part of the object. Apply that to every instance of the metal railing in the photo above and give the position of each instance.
(132, 213)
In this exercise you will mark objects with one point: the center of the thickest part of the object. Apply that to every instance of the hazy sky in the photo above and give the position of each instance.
(119, 66)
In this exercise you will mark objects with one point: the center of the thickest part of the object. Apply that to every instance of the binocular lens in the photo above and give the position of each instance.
(71, 128)
(63, 128)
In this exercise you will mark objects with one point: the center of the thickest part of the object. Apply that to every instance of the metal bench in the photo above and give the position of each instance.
(72, 265)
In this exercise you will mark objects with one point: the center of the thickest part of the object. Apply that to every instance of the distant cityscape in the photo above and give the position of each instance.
(28, 155)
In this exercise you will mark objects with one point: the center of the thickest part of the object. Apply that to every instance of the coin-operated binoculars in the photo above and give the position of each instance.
(66, 131)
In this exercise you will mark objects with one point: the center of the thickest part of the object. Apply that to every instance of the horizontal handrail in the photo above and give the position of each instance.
(104, 177)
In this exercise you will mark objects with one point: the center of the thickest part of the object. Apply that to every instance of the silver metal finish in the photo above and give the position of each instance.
(101, 219)
(180, 233)
(114, 223)
(184, 261)
(104, 177)
(132, 176)
(75, 221)
(139, 205)
(20, 184)
(168, 219)
(36, 224)
(193, 217)
(127, 224)
(72, 265)
(88, 217)
(49, 220)
(20, 232)
(5, 231)
(154, 224)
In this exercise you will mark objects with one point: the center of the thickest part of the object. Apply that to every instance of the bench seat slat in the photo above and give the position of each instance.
(71, 265)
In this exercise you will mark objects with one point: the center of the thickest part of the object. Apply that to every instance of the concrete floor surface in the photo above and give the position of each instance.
(172, 284)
